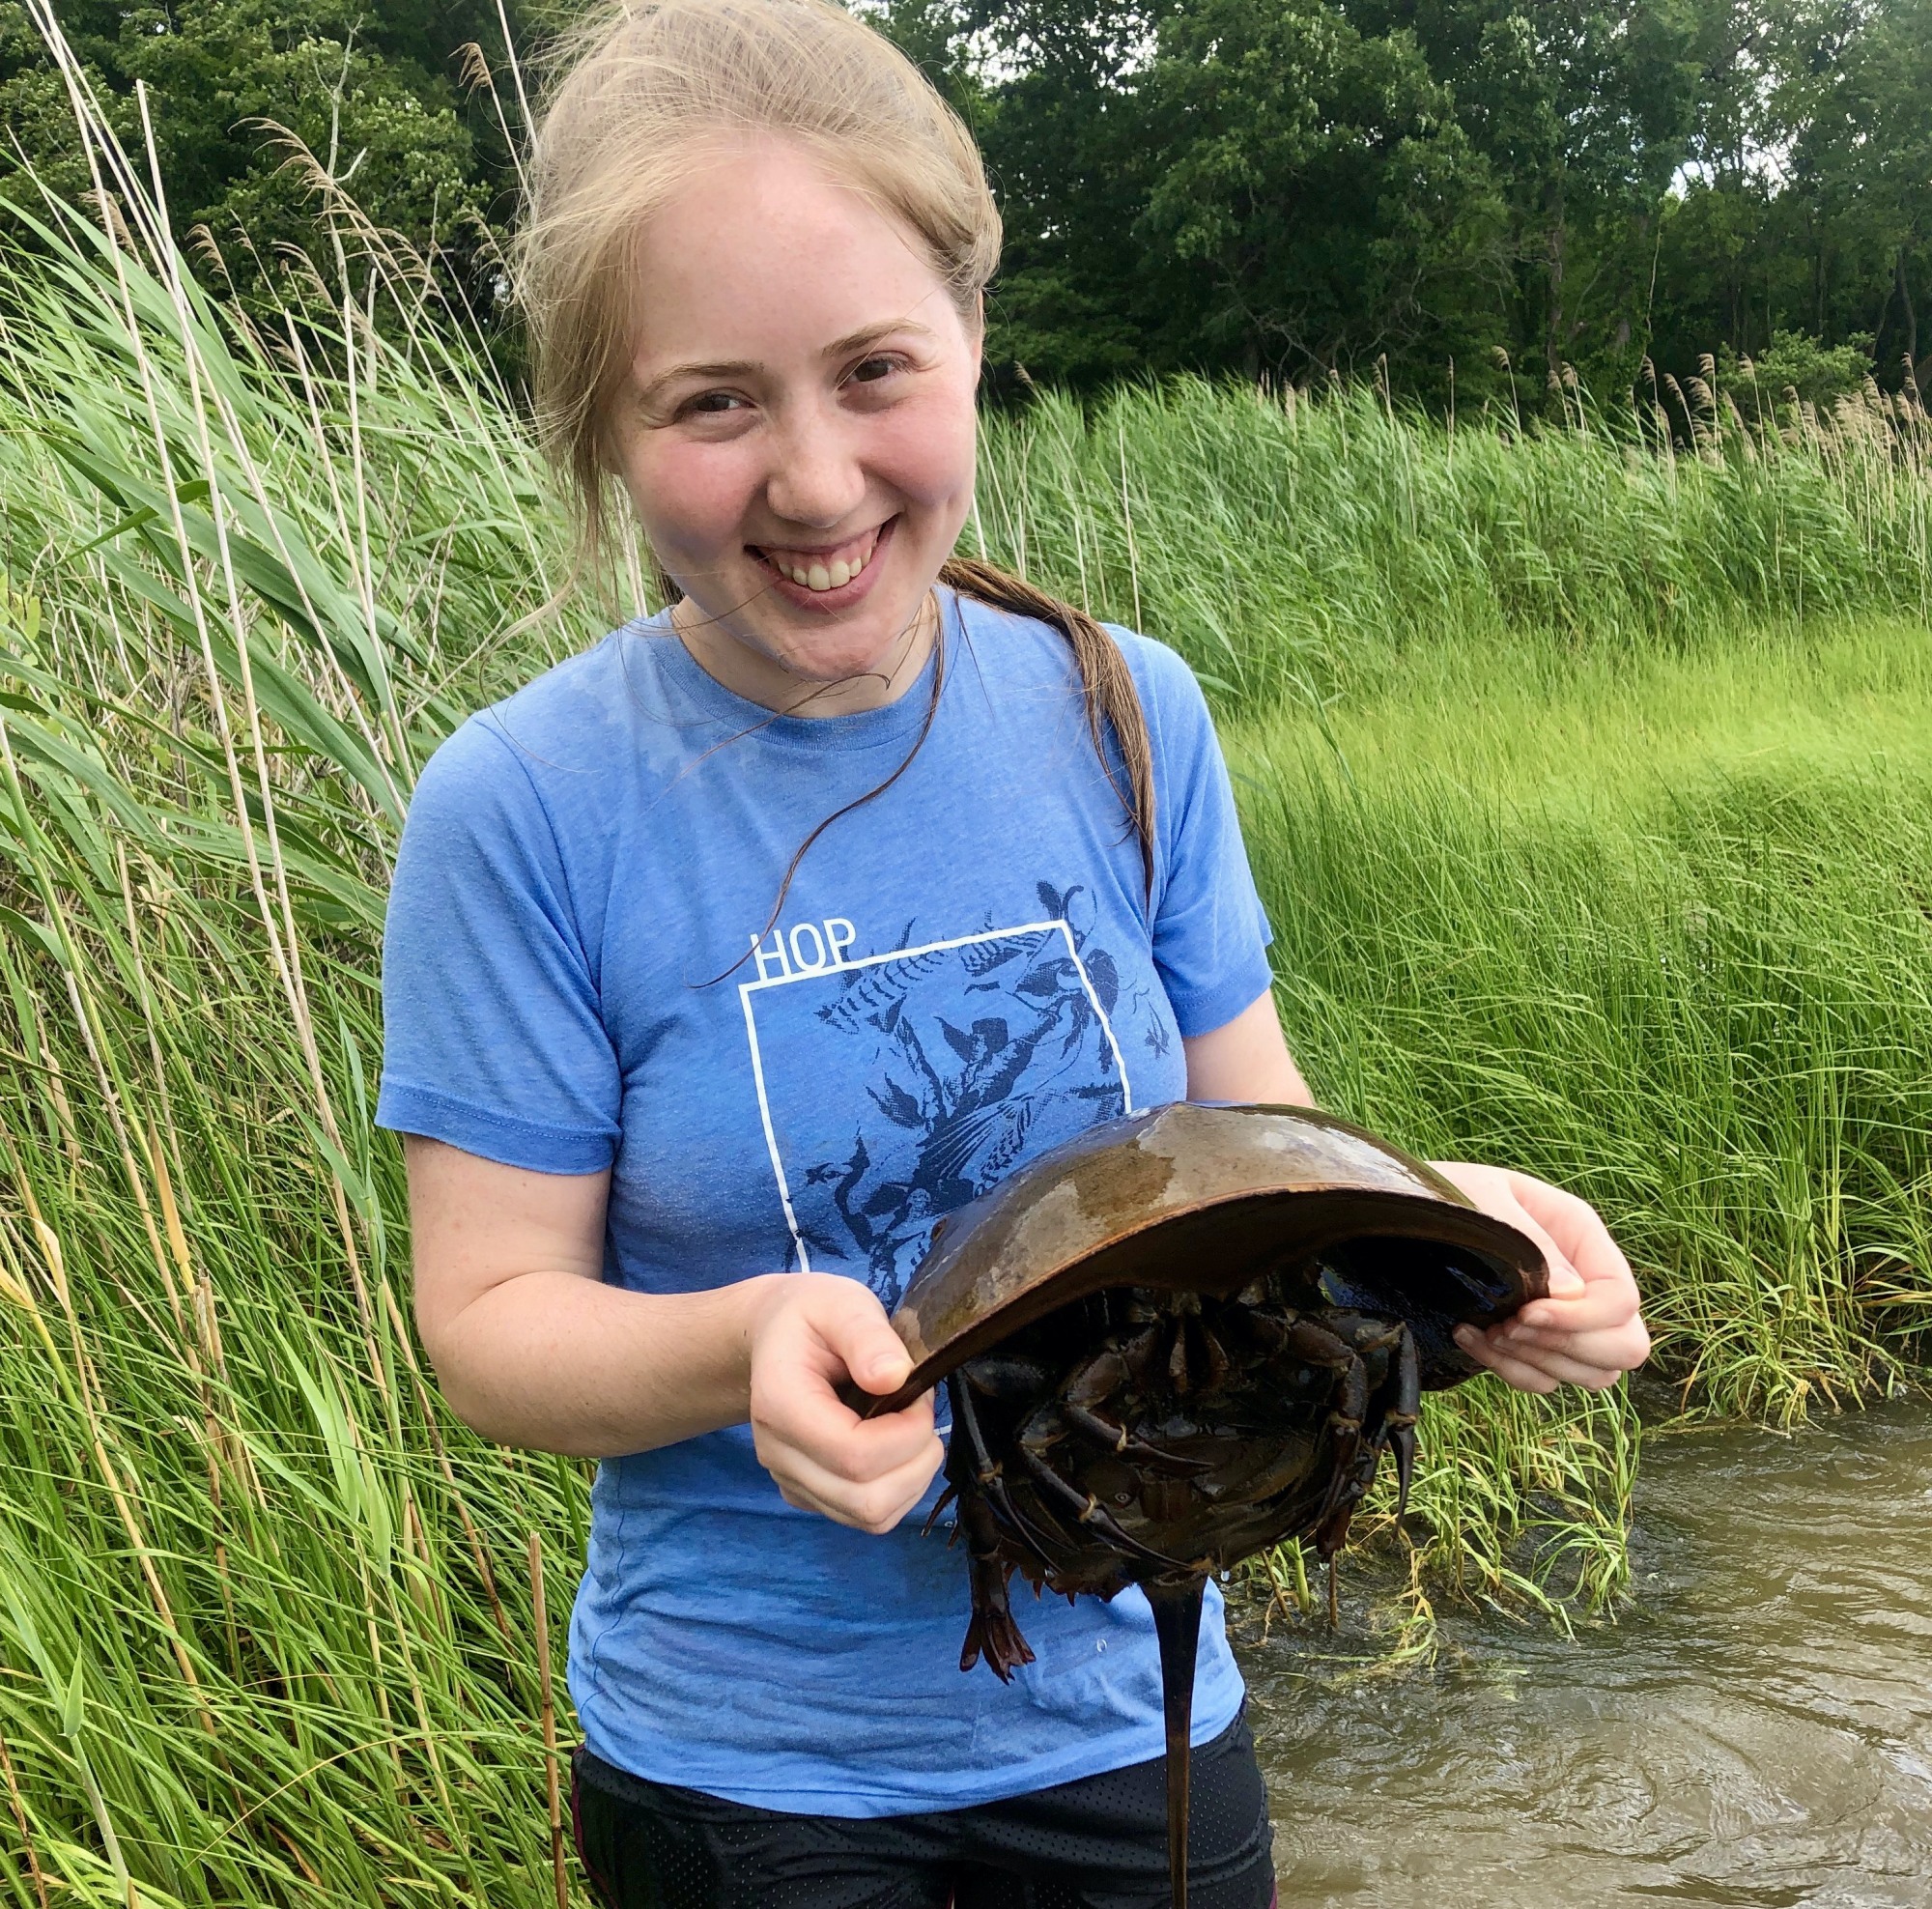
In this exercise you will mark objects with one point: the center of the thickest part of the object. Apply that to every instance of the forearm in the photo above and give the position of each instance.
(555, 1363)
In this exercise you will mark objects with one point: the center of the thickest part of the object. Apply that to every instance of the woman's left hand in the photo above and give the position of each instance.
(1589, 1330)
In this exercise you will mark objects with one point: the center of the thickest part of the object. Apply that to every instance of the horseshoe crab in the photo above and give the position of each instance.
(1181, 1338)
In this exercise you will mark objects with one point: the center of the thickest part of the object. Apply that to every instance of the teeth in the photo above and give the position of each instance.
(818, 576)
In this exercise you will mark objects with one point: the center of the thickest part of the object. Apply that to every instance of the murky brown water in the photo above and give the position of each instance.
(1757, 1732)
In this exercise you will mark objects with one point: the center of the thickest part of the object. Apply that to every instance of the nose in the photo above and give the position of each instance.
(816, 477)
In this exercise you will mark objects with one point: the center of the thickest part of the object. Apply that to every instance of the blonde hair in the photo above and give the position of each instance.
(644, 93)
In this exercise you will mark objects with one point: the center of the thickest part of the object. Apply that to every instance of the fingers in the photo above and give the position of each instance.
(1578, 1232)
(1535, 1369)
(1600, 1307)
(1606, 1299)
(1589, 1328)
(799, 1412)
(854, 1328)
(1525, 1378)
(1539, 1358)
(1623, 1345)
(1565, 1281)
(866, 1472)
(873, 1505)
(1496, 1192)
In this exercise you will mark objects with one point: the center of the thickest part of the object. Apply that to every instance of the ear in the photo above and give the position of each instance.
(976, 334)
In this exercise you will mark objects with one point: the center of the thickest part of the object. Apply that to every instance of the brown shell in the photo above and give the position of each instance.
(1195, 1195)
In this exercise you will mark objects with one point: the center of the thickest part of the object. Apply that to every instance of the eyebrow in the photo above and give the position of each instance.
(871, 334)
(853, 341)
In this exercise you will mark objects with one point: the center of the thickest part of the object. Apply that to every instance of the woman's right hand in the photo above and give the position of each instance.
(533, 1347)
(810, 1331)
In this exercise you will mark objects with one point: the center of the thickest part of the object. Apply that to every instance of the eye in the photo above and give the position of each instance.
(870, 371)
(710, 404)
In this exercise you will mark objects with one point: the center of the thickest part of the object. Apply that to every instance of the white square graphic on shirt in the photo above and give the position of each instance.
(894, 1087)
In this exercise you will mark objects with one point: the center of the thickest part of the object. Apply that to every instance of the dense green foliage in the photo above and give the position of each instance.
(258, 109)
(1308, 548)
(1288, 187)
(1548, 885)
(1300, 186)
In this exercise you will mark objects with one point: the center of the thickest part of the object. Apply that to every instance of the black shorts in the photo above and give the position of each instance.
(1096, 1843)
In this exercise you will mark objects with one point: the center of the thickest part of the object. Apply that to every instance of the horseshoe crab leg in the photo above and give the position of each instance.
(1105, 1436)
(1312, 1342)
(1395, 1409)
(1088, 1511)
(1177, 1623)
(987, 1476)
(992, 1629)
(1086, 1389)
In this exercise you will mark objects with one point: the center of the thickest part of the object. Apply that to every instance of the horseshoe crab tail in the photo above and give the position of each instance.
(1177, 1623)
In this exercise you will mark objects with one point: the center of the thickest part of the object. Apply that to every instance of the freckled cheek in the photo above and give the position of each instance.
(926, 454)
(694, 498)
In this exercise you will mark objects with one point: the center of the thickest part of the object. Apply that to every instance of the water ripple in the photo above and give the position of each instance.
(1757, 1733)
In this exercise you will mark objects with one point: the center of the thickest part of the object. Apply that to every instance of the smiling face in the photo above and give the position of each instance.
(797, 437)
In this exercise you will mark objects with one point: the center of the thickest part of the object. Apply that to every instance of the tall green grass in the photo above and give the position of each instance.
(268, 1630)
(1301, 548)
(268, 1616)
(1659, 929)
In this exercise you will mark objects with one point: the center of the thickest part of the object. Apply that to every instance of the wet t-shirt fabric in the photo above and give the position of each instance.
(582, 972)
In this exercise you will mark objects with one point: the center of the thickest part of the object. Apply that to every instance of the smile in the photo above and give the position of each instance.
(832, 567)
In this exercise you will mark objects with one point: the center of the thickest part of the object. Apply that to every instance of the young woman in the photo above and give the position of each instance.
(727, 956)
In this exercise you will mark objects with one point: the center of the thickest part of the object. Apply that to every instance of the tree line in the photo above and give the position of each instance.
(1295, 187)
(1467, 199)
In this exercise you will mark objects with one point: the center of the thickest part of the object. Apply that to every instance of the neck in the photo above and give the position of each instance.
(760, 677)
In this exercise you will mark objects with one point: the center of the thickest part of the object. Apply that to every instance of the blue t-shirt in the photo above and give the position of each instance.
(580, 974)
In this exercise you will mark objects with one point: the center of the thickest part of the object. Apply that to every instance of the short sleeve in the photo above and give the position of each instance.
(494, 1039)
(1211, 934)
